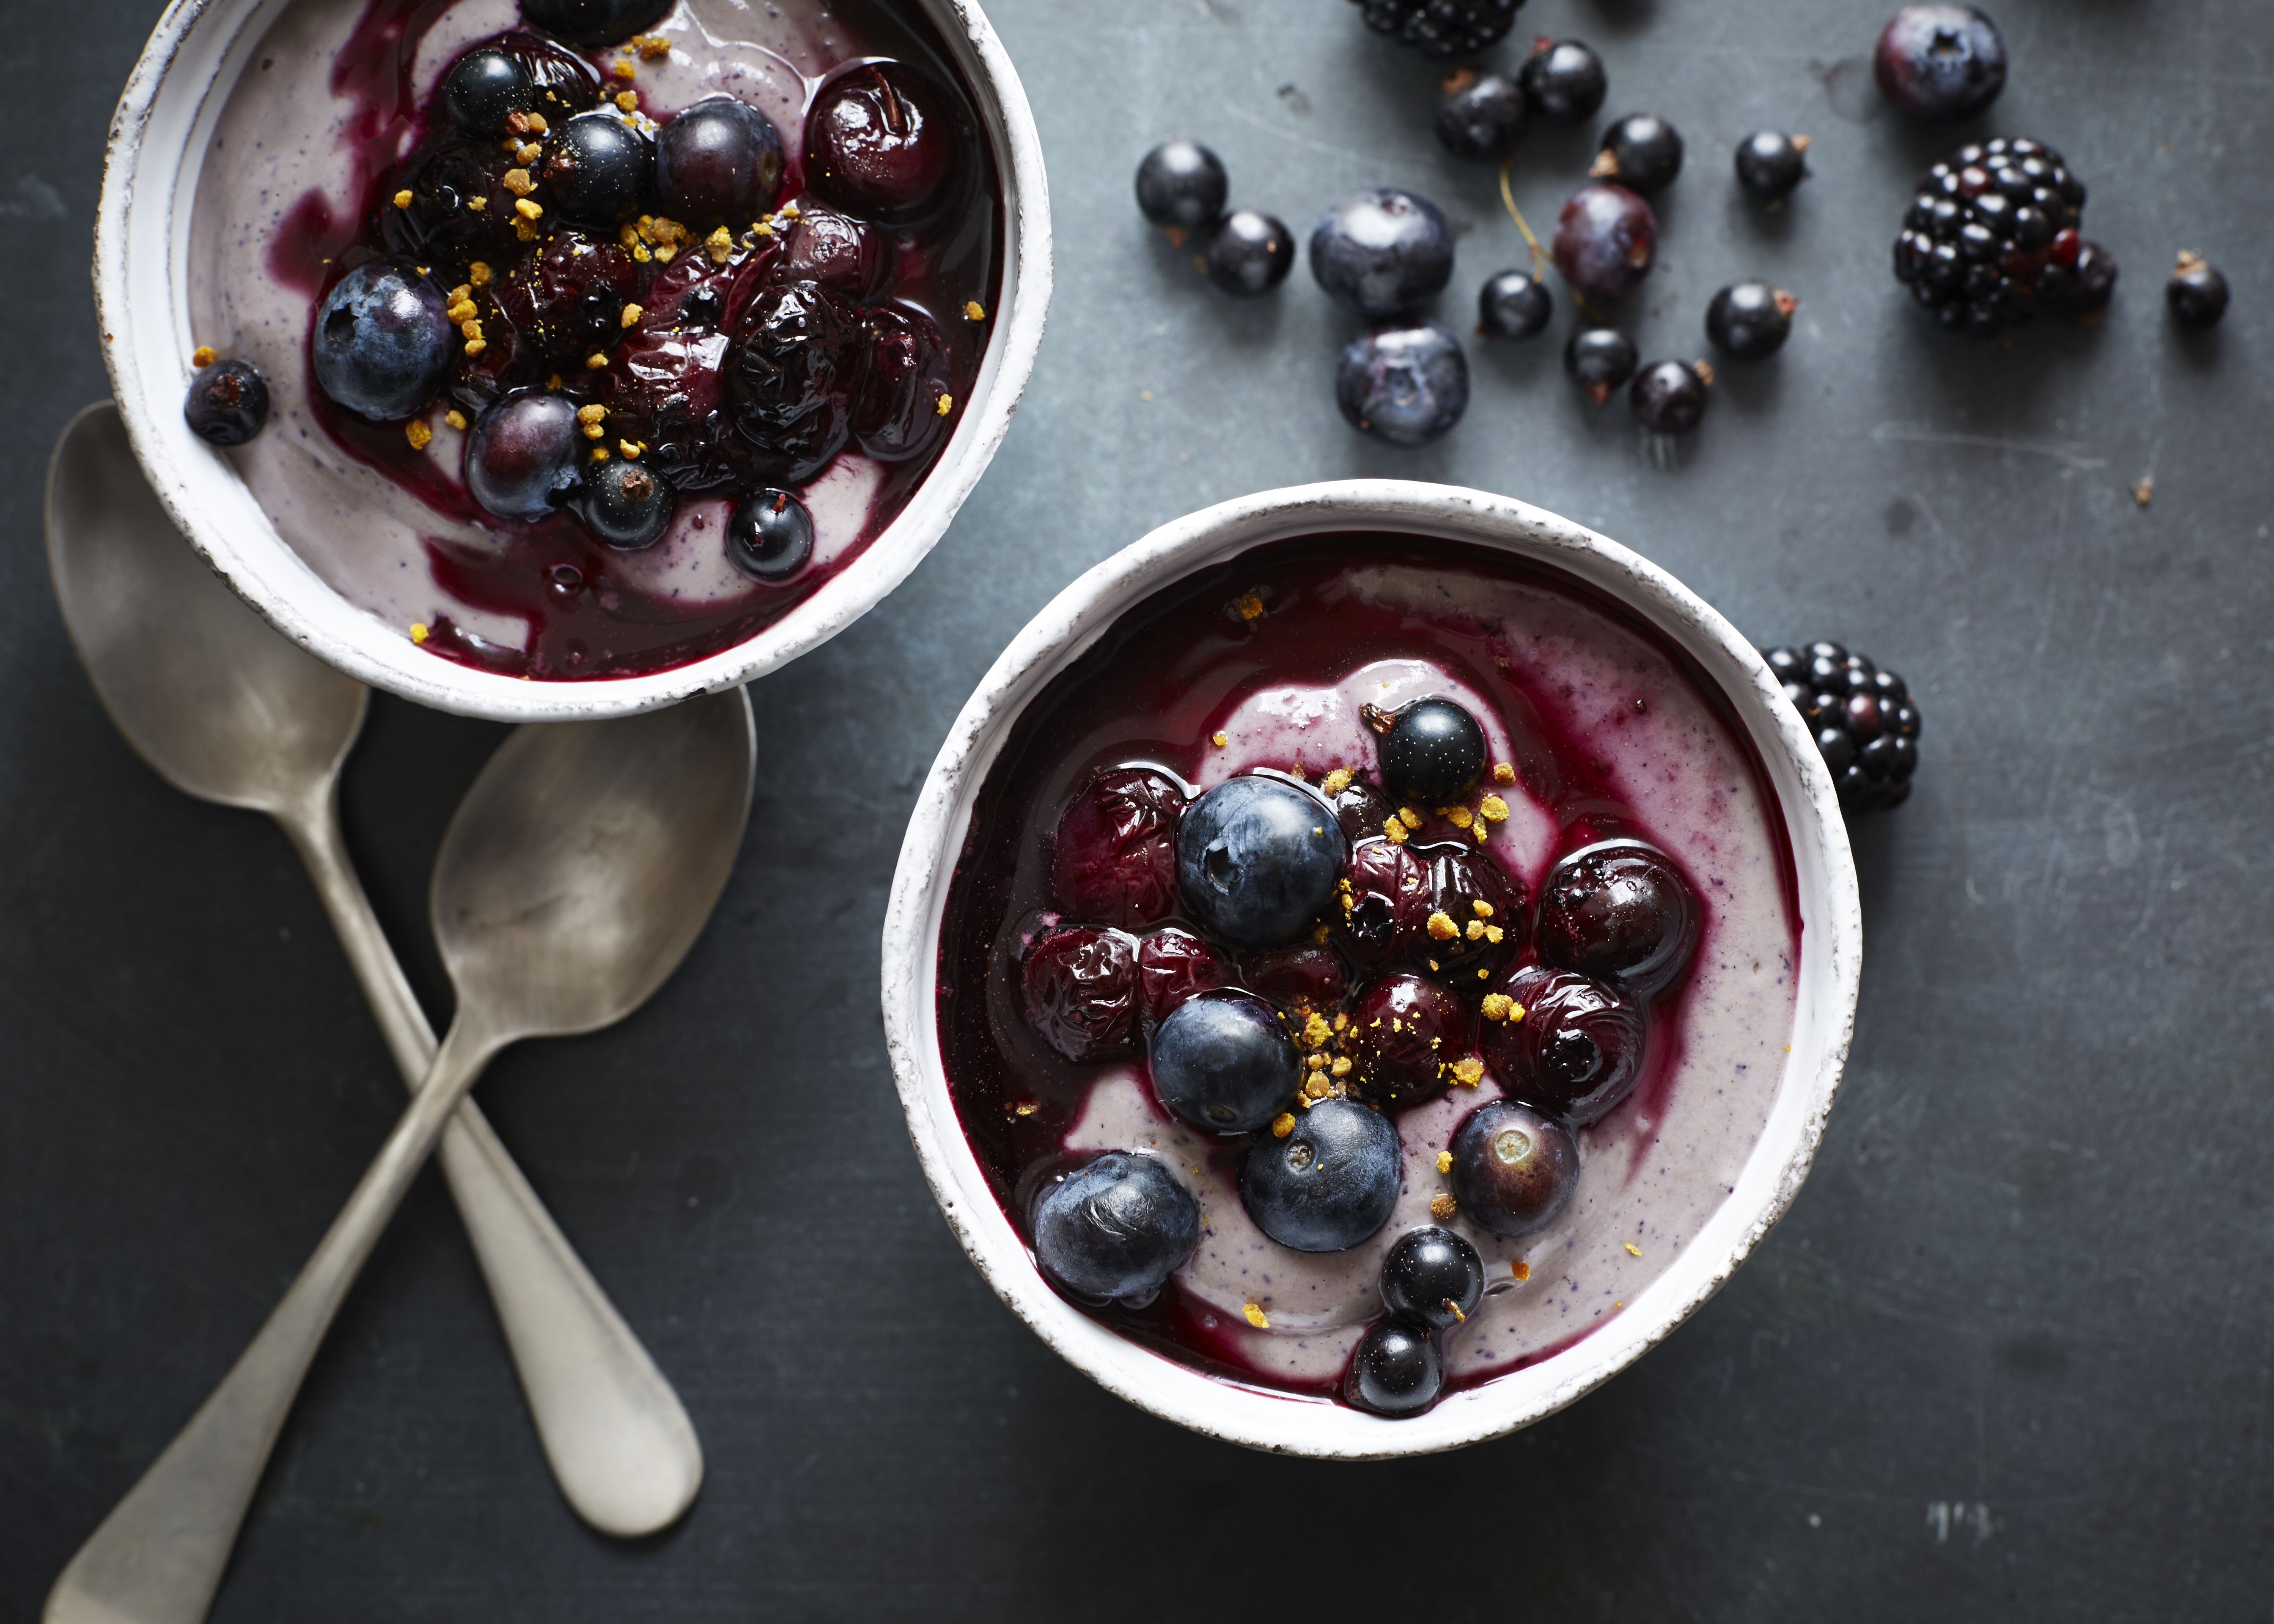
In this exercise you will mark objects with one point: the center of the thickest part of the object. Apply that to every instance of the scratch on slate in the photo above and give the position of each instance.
(1919, 434)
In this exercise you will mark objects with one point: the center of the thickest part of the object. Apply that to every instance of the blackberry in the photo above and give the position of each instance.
(2195, 291)
(1865, 721)
(1441, 27)
(1991, 237)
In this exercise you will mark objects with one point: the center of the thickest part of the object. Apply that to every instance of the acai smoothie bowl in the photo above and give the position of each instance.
(1368, 962)
(550, 358)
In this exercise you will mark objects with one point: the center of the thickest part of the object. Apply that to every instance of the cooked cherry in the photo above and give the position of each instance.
(898, 415)
(1568, 1045)
(1404, 1034)
(1173, 966)
(1361, 810)
(1114, 857)
(884, 143)
(791, 374)
(1300, 980)
(1081, 991)
(1621, 912)
(521, 459)
(1514, 1170)
(836, 251)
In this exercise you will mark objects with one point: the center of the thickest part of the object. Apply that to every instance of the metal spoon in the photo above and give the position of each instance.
(228, 712)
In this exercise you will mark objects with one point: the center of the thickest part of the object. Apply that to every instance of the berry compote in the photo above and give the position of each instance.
(755, 251)
(1369, 885)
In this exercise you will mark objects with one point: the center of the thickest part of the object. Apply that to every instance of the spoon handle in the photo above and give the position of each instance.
(158, 1555)
(618, 1441)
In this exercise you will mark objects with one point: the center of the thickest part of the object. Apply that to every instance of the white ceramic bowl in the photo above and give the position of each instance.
(1824, 1017)
(158, 141)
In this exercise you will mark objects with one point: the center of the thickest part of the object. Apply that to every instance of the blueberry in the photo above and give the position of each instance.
(1606, 237)
(1514, 1170)
(1403, 385)
(1257, 859)
(770, 536)
(719, 160)
(1328, 1184)
(1668, 397)
(1432, 751)
(1641, 152)
(1770, 164)
(1749, 319)
(1079, 989)
(1576, 1050)
(1598, 360)
(521, 459)
(595, 22)
(1383, 252)
(596, 169)
(1563, 80)
(1433, 1276)
(1181, 185)
(1249, 252)
(1482, 115)
(627, 505)
(1621, 912)
(883, 143)
(2195, 292)
(1513, 304)
(1113, 857)
(382, 341)
(228, 403)
(1404, 1034)
(483, 87)
(1397, 1370)
(1940, 62)
(1220, 1062)
(1115, 1229)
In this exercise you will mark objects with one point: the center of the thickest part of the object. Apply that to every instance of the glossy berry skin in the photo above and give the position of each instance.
(1181, 185)
(1113, 857)
(1577, 1048)
(1991, 237)
(1257, 859)
(1383, 251)
(2196, 293)
(1249, 252)
(1514, 304)
(884, 143)
(1396, 1370)
(1328, 1186)
(1403, 385)
(1482, 116)
(626, 506)
(1220, 1062)
(1432, 751)
(1940, 62)
(1395, 890)
(1433, 1276)
(718, 160)
(1749, 319)
(1668, 397)
(1403, 1034)
(1173, 966)
(1080, 992)
(793, 374)
(1563, 80)
(596, 169)
(1115, 1229)
(1641, 152)
(770, 536)
(1606, 237)
(1514, 1170)
(1598, 360)
(1300, 980)
(592, 23)
(382, 342)
(2083, 287)
(1771, 163)
(228, 403)
(836, 251)
(1865, 720)
(522, 457)
(1618, 911)
(896, 414)
(1441, 27)
(483, 87)
(1361, 808)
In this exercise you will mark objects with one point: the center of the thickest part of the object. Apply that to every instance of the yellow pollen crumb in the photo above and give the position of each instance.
(470, 329)
(526, 209)
(1503, 773)
(1283, 1125)
(1342, 1022)
(641, 252)
(1458, 1317)
(720, 243)
(1495, 808)
(1479, 830)
(1248, 605)
(1342, 1066)
(628, 100)
(596, 361)
(203, 356)
(1441, 927)
(1469, 1072)
(624, 70)
(1444, 1162)
(2143, 489)
(599, 453)
(1496, 1006)
(1492, 934)
(1319, 934)
(1257, 1318)
(1315, 1030)
(478, 274)
(1484, 909)
(973, 310)
(459, 294)
(455, 419)
(1475, 930)
(1395, 830)
(1336, 782)
(792, 211)
(402, 198)
(632, 313)
(593, 413)
(1633, 1251)
(1316, 1088)
(1027, 1108)
(946, 404)
(464, 310)
(418, 433)
(651, 46)
(517, 182)
(632, 448)
(1459, 817)
(593, 430)
(475, 346)
(418, 631)
(1520, 1269)
(527, 154)
(1408, 817)
(1318, 1060)
(535, 122)
(552, 382)
(1442, 1206)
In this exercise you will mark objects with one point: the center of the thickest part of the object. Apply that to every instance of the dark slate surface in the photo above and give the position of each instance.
(2009, 1355)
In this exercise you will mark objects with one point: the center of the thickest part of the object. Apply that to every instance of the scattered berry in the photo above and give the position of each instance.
(1300, 980)
(1257, 858)
(483, 87)
(2085, 285)
(382, 342)
(1114, 857)
(1991, 236)
(1749, 319)
(1181, 185)
(1770, 164)
(1482, 115)
(2195, 291)
(1598, 360)
(1403, 1034)
(1563, 80)
(1940, 62)
(1115, 1229)
(1605, 238)
(1577, 1048)
(1406, 385)
(593, 23)
(719, 160)
(628, 506)
(883, 143)
(1249, 252)
(1173, 966)
(1395, 1371)
(1618, 911)
(1383, 252)
(229, 403)
(1220, 1062)
(770, 536)
(1361, 809)
(1395, 890)
(1865, 721)
(1641, 152)
(522, 457)
(1433, 1276)
(1514, 1170)
(842, 254)
(1080, 988)
(1513, 304)
(799, 353)
(1432, 751)
(1441, 27)
(597, 169)
(1668, 397)
(1328, 1186)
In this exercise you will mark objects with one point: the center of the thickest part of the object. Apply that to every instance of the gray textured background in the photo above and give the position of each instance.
(2009, 1355)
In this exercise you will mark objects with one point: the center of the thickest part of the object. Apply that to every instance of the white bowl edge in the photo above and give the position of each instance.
(1827, 977)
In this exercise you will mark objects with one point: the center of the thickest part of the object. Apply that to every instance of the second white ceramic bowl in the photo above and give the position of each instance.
(1823, 1017)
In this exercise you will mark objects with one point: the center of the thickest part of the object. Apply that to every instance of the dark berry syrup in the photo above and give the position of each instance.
(1151, 693)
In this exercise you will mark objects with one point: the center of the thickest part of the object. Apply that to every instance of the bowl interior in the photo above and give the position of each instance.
(158, 142)
(1831, 950)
